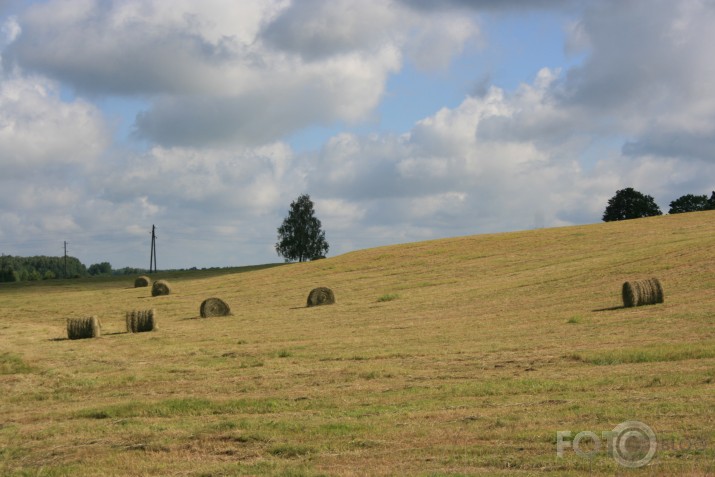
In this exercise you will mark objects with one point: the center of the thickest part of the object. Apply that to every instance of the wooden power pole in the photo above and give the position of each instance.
(152, 258)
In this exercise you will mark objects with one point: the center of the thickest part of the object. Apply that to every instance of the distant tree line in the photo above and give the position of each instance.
(22, 269)
(692, 203)
(103, 268)
(631, 204)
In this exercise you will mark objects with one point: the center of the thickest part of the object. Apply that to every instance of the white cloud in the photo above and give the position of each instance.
(39, 130)
(439, 37)
(244, 182)
(315, 29)
(647, 69)
(443, 172)
(48, 149)
(219, 73)
(339, 218)
(142, 47)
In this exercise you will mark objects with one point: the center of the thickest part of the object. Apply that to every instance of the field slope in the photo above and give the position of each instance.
(461, 356)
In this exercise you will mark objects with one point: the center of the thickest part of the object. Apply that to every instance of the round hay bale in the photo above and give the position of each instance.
(160, 287)
(131, 318)
(321, 296)
(146, 321)
(142, 281)
(642, 292)
(80, 328)
(214, 307)
(139, 321)
(629, 294)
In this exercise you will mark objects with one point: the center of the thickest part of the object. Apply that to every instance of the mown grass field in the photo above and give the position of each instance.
(460, 356)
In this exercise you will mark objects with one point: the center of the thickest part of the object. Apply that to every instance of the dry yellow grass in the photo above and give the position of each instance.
(495, 343)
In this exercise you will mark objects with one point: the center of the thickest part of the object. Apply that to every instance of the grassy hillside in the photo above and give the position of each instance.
(451, 357)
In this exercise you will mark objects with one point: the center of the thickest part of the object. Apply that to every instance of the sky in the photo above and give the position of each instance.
(404, 120)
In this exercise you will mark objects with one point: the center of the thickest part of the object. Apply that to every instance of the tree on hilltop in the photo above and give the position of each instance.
(300, 237)
(689, 203)
(630, 204)
(692, 203)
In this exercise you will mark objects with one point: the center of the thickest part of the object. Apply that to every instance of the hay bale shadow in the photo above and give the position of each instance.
(612, 308)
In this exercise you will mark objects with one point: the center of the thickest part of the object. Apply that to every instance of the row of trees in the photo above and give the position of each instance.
(22, 269)
(631, 204)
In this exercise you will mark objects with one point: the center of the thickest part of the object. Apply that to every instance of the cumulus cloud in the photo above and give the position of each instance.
(439, 37)
(245, 182)
(442, 172)
(315, 29)
(487, 4)
(648, 72)
(48, 148)
(536, 155)
(140, 47)
(40, 131)
(347, 89)
(230, 73)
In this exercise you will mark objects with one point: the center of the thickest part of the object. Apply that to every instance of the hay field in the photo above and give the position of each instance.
(452, 357)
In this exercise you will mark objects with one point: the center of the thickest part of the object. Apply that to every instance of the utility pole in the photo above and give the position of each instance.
(152, 257)
(65, 259)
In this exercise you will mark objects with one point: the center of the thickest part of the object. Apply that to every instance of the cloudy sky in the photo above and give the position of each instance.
(404, 120)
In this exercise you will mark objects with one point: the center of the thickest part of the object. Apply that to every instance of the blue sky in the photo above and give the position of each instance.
(404, 120)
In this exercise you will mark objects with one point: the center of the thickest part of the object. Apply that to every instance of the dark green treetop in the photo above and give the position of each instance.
(630, 204)
(300, 237)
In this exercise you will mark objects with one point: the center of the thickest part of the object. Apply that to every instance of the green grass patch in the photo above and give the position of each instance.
(68, 470)
(339, 429)
(388, 297)
(13, 364)
(648, 354)
(290, 451)
(250, 363)
(181, 407)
